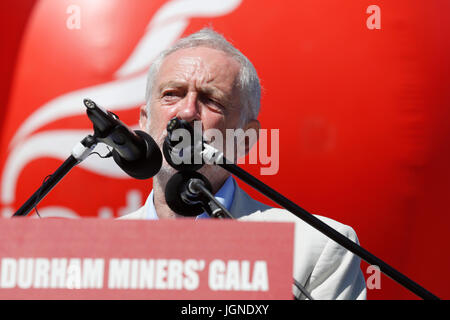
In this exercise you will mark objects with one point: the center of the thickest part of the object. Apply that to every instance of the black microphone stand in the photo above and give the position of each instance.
(213, 207)
(211, 156)
(110, 130)
(327, 230)
(79, 153)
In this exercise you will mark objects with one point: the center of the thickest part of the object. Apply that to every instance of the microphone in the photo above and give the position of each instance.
(182, 147)
(183, 197)
(135, 152)
(192, 154)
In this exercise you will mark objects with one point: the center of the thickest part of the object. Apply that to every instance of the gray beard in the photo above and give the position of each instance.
(166, 171)
(215, 174)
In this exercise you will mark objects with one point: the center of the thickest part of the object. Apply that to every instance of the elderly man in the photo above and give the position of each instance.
(204, 78)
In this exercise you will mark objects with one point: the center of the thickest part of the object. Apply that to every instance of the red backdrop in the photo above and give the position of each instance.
(363, 114)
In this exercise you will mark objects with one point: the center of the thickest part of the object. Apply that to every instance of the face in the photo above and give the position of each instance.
(194, 84)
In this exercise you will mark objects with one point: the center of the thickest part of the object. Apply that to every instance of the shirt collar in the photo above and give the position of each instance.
(225, 196)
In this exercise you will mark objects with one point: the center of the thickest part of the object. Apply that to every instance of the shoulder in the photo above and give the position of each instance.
(309, 243)
(325, 268)
(246, 208)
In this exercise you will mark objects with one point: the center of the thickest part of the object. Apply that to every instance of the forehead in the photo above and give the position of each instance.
(200, 63)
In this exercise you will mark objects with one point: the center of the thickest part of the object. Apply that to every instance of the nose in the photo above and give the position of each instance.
(189, 108)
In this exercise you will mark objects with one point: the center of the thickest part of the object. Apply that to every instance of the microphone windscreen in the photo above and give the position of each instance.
(183, 158)
(179, 199)
(147, 165)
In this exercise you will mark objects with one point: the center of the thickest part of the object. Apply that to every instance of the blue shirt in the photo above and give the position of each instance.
(225, 196)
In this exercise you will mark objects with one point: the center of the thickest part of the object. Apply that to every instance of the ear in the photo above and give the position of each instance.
(253, 125)
(143, 118)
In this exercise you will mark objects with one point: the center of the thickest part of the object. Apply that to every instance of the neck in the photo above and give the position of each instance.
(159, 200)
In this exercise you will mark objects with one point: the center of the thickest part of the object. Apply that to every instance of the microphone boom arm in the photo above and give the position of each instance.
(217, 210)
(327, 230)
(80, 152)
(211, 155)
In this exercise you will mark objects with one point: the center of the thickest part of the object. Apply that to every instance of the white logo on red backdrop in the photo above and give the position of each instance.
(125, 92)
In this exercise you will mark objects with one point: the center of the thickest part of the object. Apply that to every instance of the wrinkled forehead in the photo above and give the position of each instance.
(201, 64)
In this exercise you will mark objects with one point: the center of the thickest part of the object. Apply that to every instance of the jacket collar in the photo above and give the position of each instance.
(244, 205)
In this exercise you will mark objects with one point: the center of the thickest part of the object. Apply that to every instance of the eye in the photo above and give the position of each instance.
(217, 104)
(212, 103)
(171, 95)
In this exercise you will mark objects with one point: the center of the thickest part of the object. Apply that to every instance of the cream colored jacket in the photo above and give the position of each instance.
(324, 268)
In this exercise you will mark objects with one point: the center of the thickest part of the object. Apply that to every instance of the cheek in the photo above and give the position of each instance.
(212, 120)
(159, 117)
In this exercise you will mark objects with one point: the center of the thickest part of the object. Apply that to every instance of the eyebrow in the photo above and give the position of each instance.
(207, 90)
(172, 84)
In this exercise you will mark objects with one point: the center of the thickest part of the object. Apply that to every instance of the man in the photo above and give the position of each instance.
(204, 78)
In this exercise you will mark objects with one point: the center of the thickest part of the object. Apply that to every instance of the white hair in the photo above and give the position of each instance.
(248, 81)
